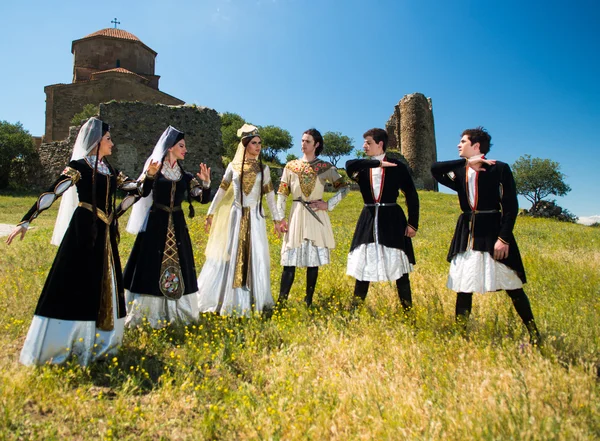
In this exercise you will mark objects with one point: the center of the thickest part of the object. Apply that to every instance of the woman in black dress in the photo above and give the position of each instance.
(81, 309)
(160, 275)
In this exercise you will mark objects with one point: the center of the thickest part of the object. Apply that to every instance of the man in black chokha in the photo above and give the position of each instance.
(484, 256)
(382, 245)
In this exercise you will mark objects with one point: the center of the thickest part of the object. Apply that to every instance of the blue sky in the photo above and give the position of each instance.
(526, 70)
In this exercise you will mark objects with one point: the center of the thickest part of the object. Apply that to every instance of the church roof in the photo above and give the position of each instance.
(115, 33)
(119, 70)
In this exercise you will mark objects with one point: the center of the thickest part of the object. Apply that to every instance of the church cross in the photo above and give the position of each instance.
(115, 22)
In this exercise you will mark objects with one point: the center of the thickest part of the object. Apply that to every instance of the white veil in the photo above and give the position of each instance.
(88, 137)
(139, 212)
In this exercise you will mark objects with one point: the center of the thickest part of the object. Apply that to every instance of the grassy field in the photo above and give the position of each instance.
(327, 373)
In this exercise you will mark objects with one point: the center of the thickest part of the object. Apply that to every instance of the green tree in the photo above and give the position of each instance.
(360, 153)
(230, 123)
(290, 157)
(336, 145)
(274, 140)
(537, 178)
(88, 111)
(17, 155)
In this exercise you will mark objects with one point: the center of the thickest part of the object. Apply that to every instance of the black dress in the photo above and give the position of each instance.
(83, 292)
(161, 266)
(493, 215)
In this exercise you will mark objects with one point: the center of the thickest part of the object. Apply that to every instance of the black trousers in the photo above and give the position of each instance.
(402, 285)
(287, 280)
(464, 304)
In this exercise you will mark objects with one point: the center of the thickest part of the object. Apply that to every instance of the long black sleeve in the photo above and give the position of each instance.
(68, 177)
(443, 172)
(356, 165)
(407, 186)
(510, 204)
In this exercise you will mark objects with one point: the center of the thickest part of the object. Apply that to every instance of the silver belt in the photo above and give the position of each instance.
(481, 212)
(381, 204)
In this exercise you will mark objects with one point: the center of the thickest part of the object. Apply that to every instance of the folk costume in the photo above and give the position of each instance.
(160, 275)
(380, 250)
(309, 238)
(489, 205)
(236, 277)
(81, 308)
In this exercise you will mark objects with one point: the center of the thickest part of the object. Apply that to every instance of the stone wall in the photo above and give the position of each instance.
(65, 100)
(135, 129)
(54, 156)
(414, 135)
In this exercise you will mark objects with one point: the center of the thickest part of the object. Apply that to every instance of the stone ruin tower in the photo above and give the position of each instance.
(411, 130)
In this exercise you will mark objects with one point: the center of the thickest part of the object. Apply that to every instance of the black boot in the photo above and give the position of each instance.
(523, 308)
(404, 292)
(312, 273)
(360, 294)
(361, 288)
(464, 304)
(287, 280)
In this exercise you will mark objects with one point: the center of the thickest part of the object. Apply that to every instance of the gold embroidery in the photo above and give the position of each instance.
(121, 178)
(340, 183)
(307, 173)
(72, 173)
(171, 278)
(251, 170)
(242, 262)
(105, 320)
(194, 183)
(284, 188)
(267, 188)
(224, 185)
(101, 214)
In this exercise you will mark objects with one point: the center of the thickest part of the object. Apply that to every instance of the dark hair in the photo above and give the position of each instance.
(318, 139)
(378, 135)
(245, 141)
(192, 212)
(179, 137)
(481, 136)
(105, 128)
(113, 203)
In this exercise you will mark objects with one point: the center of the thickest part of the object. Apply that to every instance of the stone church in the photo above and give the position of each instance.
(110, 64)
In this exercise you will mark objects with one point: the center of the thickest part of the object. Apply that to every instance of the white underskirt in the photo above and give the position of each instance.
(477, 271)
(215, 282)
(51, 340)
(159, 311)
(305, 255)
(375, 263)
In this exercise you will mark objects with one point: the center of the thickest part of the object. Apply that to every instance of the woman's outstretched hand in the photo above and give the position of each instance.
(152, 168)
(19, 229)
(204, 173)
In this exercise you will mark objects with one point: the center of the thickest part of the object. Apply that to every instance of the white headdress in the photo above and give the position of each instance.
(89, 136)
(139, 212)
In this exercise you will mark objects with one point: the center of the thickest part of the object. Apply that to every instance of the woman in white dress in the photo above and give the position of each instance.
(235, 279)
